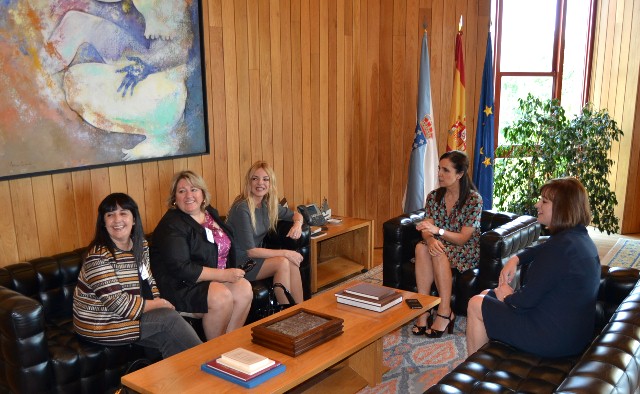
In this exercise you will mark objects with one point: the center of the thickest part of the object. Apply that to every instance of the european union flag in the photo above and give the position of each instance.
(484, 157)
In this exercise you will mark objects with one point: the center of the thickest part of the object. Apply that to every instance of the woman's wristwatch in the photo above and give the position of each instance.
(441, 232)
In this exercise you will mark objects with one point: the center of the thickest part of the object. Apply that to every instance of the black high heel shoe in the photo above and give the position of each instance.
(432, 333)
(420, 330)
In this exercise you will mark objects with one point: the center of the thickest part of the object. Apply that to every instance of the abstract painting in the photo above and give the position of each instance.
(88, 83)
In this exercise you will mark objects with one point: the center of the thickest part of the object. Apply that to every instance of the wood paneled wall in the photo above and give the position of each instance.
(614, 86)
(325, 90)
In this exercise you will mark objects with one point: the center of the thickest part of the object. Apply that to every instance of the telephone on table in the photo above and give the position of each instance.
(312, 215)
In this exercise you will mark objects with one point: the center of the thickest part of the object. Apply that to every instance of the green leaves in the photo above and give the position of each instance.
(544, 144)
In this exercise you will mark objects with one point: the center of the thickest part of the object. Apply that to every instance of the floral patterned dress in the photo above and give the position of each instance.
(461, 257)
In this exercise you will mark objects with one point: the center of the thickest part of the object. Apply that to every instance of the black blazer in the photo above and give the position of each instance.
(180, 250)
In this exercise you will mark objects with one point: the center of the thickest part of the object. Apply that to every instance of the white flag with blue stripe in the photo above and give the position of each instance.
(423, 163)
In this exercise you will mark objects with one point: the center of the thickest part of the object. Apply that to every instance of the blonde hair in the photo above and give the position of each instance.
(271, 197)
(195, 180)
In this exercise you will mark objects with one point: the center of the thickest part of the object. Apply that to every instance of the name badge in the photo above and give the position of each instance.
(144, 273)
(210, 236)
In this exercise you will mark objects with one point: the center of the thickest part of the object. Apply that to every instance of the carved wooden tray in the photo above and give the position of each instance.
(297, 332)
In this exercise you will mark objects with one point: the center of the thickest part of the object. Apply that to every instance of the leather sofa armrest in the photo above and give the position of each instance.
(502, 242)
(279, 239)
(23, 341)
(616, 283)
(399, 240)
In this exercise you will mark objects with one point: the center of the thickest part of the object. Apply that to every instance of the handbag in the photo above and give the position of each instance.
(272, 305)
(134, 366)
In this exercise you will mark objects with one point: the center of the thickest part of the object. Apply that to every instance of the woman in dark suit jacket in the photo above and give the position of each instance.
(193, 262)
(553, 311)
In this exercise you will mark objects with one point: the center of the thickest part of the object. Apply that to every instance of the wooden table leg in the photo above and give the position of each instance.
(368, 363)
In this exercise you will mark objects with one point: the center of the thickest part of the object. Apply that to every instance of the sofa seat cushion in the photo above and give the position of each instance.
(500, 368)
(612, 363)
(78, 365)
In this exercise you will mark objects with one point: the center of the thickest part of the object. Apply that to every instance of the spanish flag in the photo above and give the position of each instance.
(457, 138)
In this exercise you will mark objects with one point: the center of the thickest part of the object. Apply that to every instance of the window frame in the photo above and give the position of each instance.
(557, 69)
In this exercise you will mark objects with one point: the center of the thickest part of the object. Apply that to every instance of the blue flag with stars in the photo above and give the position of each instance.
(423, 162)
(484, 157)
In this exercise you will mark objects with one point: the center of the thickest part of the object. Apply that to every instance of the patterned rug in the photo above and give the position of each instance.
(415, 362)
(625, 253)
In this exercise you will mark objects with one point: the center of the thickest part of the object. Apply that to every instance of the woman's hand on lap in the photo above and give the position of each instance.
(157, 303)
(436, 247)
(502, 291)
(509, 271)
(232, 275)
(294, 257)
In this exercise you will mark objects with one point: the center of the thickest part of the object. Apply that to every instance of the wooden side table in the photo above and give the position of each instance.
(345, 249)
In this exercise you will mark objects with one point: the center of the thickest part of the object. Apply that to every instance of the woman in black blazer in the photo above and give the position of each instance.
(193, 261)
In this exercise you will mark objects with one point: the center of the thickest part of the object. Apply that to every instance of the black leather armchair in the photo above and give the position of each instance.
(39, 351)
(502, 235)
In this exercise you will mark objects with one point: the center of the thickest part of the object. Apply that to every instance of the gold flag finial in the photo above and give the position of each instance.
(460, 24)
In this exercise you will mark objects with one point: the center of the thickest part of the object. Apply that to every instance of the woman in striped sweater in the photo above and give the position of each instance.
(116, 300)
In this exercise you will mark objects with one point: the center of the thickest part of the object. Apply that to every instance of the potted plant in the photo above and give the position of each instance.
(543, 144)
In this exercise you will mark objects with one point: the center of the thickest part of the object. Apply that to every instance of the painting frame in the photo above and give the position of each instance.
(131, 89)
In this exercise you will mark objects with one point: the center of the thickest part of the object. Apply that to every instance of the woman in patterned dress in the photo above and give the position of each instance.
(450, 238)
(193, 261)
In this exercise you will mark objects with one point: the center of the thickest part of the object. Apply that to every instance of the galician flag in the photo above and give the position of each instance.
(423, 163)
(484, 158)
(457, 139)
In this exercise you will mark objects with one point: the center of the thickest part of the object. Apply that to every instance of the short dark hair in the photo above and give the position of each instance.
(460, 162)
(570, 203)
(102, 238)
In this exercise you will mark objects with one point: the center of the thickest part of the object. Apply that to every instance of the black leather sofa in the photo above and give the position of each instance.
(611, 363)
(39, 351)
(502, 235)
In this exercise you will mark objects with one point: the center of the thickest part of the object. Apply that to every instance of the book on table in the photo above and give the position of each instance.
(245, 361)
(214, 367)
(367, 303)
(369, 290)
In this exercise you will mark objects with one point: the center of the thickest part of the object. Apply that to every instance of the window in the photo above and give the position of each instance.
(542, 47)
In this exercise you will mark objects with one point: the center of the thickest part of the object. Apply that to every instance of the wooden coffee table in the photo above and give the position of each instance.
(345, 363)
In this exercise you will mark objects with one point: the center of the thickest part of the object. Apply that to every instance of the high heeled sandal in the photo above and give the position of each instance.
(433, 333)
(422, 329)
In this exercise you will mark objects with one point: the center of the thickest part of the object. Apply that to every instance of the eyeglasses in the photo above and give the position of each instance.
(248, 265)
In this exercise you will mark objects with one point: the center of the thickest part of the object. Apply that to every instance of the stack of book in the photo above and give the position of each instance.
(243, 367)
(369, 296)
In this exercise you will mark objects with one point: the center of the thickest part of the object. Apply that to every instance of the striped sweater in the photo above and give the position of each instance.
(107, 303)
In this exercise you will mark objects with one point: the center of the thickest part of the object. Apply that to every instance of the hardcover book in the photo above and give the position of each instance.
(244, 380)
(382, 306)
(215, 364)
(381, 302)
(245, 361)
(368, 290)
